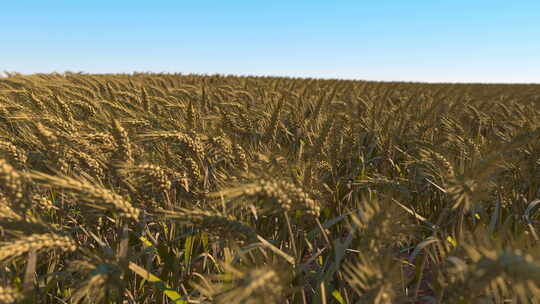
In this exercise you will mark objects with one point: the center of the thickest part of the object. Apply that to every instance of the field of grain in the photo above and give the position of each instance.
(169, 188)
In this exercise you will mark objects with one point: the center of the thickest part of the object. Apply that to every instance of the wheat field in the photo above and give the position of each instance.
(170, 188)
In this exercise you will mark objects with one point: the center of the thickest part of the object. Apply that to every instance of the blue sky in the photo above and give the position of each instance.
(434, 41)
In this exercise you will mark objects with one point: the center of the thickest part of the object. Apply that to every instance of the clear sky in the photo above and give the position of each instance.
(434, 41)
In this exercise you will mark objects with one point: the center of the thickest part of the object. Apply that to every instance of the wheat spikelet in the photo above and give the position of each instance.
(451, 133)
(13, 84)
(130, 97)
(218, 148)
(322, 136)
(158, 103)
(40, 106)
(11, 153)
(145, 100)
(246, 95)
(277, 193)
(101, 140)
(81, 88)
(240, 158)
(192, 169)
(371, 281)
(75, 95)
(440, 160)
(322, 168)
(249, 286)
(36, 242)
(273, 124)
(43, 202)
(230, 125)
(102, 281)
(192, 145)
(18, 96)
(190, 115)
(382, 224)
(336, 142)
(179, 180)
(116, 109)
(64, 108)
(110, 90)
(4, 113)
(149, 173)
(124, 152)
(473, 146)
(182, 93)
(60, 124)
(55, 152)
(505, 109)
(9, 295)
(87, 162)
(100, 198)
(87, 109)
(10, 182)
(156, 92)
(6, 212)
(321, 103)
(499, 273)
(212, 222)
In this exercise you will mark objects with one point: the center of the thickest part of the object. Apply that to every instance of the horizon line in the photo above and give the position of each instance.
(7, 74)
